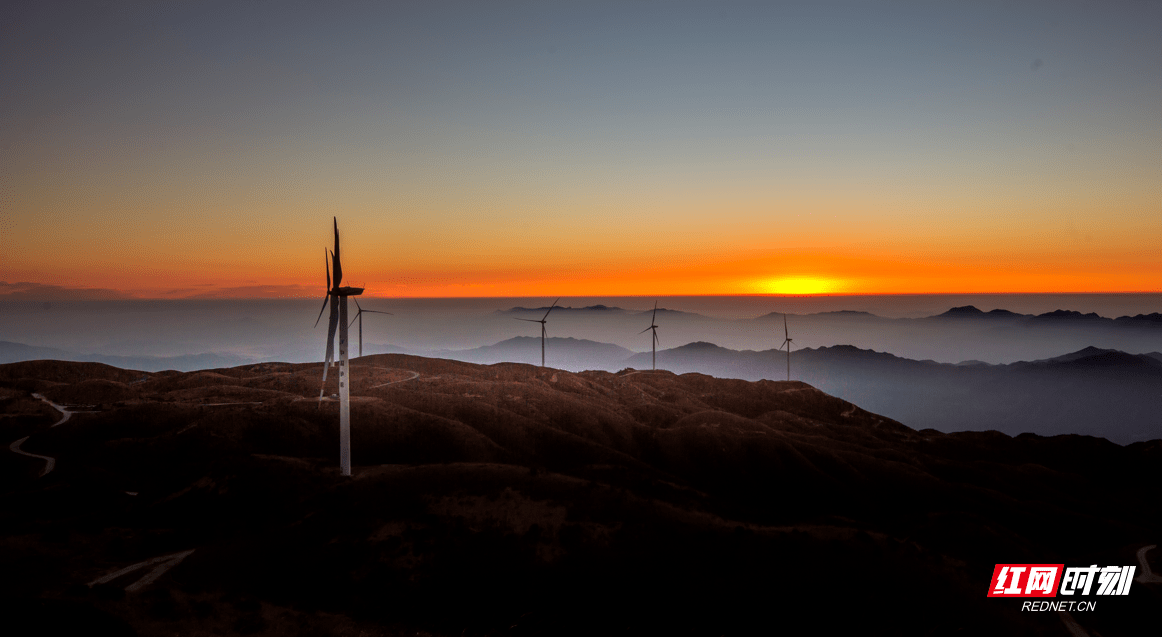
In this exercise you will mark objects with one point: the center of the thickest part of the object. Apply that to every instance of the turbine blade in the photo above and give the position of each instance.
(529, 320)
(338, 264)
(550, 309)
(327, 265)
(356, 299)
(376, 312)
(646, 330)
(656, 339)
(325, 299)
(785, 332)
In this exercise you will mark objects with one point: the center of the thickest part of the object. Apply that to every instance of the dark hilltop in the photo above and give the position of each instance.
(514, 500)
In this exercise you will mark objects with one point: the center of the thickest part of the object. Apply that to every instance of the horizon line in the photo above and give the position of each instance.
(69, 298)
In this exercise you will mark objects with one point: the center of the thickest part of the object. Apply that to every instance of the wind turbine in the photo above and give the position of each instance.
(654, 342)
(787, 342)
(543, 331)
(337, 297)
(359, 317)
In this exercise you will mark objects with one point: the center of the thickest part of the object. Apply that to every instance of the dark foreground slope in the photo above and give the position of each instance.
(512, 500)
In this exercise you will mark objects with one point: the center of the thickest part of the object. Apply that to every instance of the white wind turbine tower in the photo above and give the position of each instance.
(337, 297)
(543, 331)
(654, 342)
(787, 342)
(359, 317)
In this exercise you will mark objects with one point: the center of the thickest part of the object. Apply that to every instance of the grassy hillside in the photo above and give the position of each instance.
(510, 499)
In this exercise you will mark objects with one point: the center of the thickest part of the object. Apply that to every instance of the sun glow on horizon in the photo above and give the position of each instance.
(801, 285)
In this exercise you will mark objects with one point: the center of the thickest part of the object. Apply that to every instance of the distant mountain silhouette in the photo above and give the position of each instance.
(1097, 354)
(1069, 315)
(1096, 392)
(599, 310)
(1093, 357)
(1144, 320)
(1119, 400)
(959, 334)
(833, 313)
(562, 353)
(965, 310)
(971, 311)
(668, 312)
(560, 308)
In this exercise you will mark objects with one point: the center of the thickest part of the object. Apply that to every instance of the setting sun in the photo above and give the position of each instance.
(800, 285)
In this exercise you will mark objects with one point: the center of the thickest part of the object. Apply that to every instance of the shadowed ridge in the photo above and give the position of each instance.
(567, 309)
(835, 313)
(1098, 357)
(1145, 320)
(971, 311)
(699, 345)
(1069, 315)
(1085, 352)
(66, 371)
(962, 311)
(1094, 357)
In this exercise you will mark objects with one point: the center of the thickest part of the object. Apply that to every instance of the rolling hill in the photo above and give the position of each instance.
(513, 500)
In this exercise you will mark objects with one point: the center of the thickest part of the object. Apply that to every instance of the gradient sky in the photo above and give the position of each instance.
(523, 148)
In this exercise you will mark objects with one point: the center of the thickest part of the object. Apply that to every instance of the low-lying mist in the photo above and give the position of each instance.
(157, 334)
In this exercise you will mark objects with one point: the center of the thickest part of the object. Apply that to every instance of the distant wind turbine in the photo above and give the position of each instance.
(359, 317)
(787, 342)
(337, 297)
(543, 330)
(655, 341)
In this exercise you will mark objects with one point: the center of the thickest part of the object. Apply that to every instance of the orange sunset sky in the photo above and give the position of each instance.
(473, 149)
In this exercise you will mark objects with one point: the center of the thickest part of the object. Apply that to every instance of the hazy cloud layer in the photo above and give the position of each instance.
(27, 291)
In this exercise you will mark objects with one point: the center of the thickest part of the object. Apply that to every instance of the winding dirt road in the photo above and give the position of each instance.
(414, 375)
(49, 463)
(1147, 576)
(161, 564)
(65, 413)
